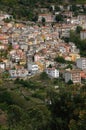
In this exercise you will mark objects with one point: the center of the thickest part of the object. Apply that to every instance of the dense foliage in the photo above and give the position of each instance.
(37, 105)
(27, 9)
(81, 44)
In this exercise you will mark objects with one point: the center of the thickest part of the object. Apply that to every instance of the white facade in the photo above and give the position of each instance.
(81, 63)
(2, 47)
(52, 72)
(18, 73)
(62, 49)
(32, 67)
(2, 65)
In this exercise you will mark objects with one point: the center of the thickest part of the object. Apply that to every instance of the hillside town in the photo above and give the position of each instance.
(30, 49)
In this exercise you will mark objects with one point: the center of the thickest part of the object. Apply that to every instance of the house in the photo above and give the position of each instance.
(83, 74)
(21, 73)
(52, 72)
(74, 56)
(8, 64)
(68, 14)
(2, 65)
(73, 48)
(48, 17)
(81, 63)
(83, 34)
(2, 47)
(62, 48)
(32, 67)
(36, 57)
(4, 39)
(74, 75)
(24, 47)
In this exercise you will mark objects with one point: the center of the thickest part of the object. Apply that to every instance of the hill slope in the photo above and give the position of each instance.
(25, 8)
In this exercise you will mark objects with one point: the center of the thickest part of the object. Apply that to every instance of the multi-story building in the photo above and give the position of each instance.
(52, 72)
(48, 17)
(73, 75)
(2, 65)
(83, 34)
(32, 68)
(81, 63)
(21, 73)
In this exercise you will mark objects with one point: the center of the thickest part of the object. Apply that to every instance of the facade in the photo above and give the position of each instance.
(21, 73)
(52, 72)
(83, 74)
(2, 65)
(33, 68)
(81, 63)
(73, 75)
(48, 17)
(83, 34)
(2, 47)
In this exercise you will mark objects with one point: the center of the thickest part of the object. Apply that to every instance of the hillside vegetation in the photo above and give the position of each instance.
(36, 104)
(27, 8)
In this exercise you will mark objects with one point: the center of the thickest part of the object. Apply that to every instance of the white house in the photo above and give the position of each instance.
(21, 73)
(81, 63)
(52, 72)
(62, 49)
(2, 65)
(2, 47)
(32, 67)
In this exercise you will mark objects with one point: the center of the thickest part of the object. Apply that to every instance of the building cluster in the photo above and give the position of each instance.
(26, 50)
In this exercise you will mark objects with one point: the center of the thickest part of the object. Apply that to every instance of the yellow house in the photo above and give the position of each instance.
(40, 65)
(74, 57)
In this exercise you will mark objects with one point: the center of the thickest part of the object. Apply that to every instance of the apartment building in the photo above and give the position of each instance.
(52, 72)
(81, 63)
(18, 73)
(32, 67)
(83, 34)
(73, 75)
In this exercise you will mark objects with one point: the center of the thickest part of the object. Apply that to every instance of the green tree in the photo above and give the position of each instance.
(78, 29)
(35, 18)
(60, 59)
(44, 76)
(40, 117)
(14, 116)
(59, 18)
(43, 20)
(70, 82)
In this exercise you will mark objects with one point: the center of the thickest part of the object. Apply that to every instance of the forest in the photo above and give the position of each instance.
(42, 103)
(27, 9)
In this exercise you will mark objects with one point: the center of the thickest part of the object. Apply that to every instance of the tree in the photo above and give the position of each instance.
(57, 8)
(43, 20)
(60, 59)
(78, 29)
(35, 18)
(70, 82)
(44, 76)
(14, 115)
(50, 66)
(40, 117)
(69, 66)
(59, 18)
(5, 97)
(50, 9)
(73, 8)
